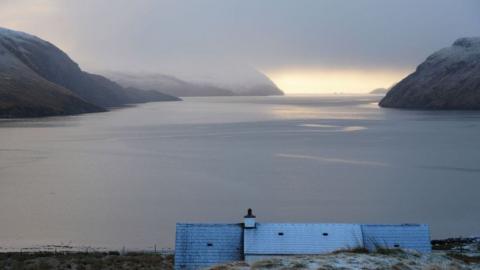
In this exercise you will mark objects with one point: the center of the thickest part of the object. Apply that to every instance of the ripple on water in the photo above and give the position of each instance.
(335, 128)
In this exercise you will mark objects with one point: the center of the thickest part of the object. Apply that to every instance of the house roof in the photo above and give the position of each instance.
(201, 245)
(291, 238)
(405, 236)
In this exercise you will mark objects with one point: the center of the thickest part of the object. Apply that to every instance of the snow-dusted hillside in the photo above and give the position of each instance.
(448, 80)
(24, 93)
(19, 36)
(38, 79)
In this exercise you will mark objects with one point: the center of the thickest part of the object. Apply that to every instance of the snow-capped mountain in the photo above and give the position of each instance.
(449, 79)
(38, 79)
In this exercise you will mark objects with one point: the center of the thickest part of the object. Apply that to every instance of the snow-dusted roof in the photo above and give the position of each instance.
(288, 238)
(406, 236)
(201, 245)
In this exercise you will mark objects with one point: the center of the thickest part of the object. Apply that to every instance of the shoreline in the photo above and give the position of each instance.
(342, 259)
(445, 244)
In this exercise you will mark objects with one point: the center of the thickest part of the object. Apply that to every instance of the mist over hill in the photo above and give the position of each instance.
(229, 80)
(167, 84)
(379, 91)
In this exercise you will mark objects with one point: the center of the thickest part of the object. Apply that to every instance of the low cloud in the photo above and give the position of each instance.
(270, 35)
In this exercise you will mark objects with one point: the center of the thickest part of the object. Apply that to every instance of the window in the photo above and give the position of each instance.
(209, 244)
(325, 234)
(280, 233)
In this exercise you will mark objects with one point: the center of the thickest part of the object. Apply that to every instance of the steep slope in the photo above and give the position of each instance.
(448, 80)
(34, 97)
(25, 94)
(31, 59)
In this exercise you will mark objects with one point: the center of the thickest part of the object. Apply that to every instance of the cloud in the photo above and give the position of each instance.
(19, 14)
(271, 35)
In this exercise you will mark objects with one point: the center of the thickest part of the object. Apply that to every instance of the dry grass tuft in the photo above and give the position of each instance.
(465, 258)
(401, 266)
(357, 250)
(272, 263)
(390, 251)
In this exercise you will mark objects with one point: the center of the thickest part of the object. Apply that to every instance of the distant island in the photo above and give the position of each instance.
(379, 91)
(38, 79)
(449, 79)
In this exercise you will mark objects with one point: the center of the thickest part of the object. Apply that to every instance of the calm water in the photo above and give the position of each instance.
(123, 178)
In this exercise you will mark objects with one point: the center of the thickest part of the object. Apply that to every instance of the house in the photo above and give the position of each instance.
(202, 245)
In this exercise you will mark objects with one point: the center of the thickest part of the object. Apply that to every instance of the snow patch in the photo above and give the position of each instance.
(19, 36)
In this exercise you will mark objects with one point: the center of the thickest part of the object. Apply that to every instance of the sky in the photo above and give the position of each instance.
(304, 46)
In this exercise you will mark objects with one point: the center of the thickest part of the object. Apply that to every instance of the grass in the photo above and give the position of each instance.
(271, 263)
(453, 243)
(85, 261)
(356, 250)
(465, 258)
(297, 265)
(227, 266)
(389, 251)
(378, 250)
(220, 267)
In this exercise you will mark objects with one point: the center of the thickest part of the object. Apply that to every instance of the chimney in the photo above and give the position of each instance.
(249, 220)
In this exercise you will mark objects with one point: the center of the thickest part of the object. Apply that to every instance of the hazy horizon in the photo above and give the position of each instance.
(303, 46)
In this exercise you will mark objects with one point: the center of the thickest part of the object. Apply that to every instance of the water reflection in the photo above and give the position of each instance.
(125, 177)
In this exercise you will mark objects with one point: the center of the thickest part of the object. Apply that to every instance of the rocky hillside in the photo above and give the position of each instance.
(448, 80)
(38, 79)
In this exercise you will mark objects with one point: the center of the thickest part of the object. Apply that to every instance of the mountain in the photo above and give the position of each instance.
(167, 84)
(251, 83)
(379, 91)
(26, 94)
(256, 84)
(38, 79)
(449, 79)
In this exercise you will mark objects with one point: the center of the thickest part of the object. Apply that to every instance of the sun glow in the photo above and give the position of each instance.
(318, 81)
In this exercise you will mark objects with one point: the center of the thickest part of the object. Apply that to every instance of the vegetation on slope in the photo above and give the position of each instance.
(84, 261)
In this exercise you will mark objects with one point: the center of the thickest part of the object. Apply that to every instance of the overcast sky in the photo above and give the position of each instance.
(302, 45)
